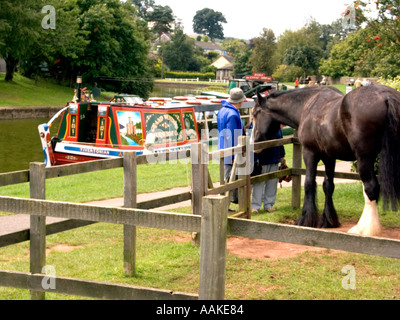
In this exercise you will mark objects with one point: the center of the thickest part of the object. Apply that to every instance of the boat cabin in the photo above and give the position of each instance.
(92, 130)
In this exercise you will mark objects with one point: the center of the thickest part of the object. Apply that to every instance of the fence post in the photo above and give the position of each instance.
(221, 171)
(214, 224)
(130, 201)
(199, 159)
(37, 234)
(297, 164)
(244, 193)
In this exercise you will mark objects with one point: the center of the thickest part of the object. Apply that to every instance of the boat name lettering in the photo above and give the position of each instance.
(96, 151)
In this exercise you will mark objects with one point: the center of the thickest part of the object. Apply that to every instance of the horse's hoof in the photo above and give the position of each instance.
(370, 232)
(327, 224)
(310, 223)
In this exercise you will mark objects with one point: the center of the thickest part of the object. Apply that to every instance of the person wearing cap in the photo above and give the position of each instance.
(230, 128)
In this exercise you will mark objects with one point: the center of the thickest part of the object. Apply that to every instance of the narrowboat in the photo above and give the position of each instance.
(92, 130)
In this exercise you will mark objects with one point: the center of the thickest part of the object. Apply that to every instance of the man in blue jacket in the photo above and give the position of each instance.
(230, 128)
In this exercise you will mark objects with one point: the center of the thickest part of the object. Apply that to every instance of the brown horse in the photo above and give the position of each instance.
(357, 126)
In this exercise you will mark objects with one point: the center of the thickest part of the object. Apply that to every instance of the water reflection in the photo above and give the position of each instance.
(173, 92)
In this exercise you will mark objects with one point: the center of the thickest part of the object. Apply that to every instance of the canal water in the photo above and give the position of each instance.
(20, 142)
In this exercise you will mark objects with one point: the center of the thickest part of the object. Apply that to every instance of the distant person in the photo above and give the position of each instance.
(296, 83)
(358, 83)
(366, 82)
(230, 128)
(96, 92)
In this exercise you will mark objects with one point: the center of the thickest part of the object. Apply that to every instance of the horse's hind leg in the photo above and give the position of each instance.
(329, 218)
(369, 224)
(309, 216)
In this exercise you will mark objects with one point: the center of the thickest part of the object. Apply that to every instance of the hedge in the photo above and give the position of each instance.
(190, 75)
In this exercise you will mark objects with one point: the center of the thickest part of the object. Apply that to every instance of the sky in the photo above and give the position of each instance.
(246, 19)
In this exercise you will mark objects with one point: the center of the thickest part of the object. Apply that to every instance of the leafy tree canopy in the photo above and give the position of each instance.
(19, 31)
(162, 17)
(179, 54)
(262, 58)
(92, 38)
(209, 22)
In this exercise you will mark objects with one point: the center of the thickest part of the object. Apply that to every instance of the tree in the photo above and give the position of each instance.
(285, 73)
(363, 54)
(263, 57)
(241, 53)
(388, 14)
(242, 63)
(162, 17)
(305, 57)
(311, 35)
(20, 27)
(372, 50)
(143, 7)
(234, 46)
(179, 53)
(209, 22)
(59, 47)
(118, 46)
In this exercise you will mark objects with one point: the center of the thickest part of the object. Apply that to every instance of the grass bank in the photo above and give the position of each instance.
(25, 92)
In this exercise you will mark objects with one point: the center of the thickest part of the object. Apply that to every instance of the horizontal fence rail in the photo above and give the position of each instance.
(86, 288)
(132, 217)
(376, 246)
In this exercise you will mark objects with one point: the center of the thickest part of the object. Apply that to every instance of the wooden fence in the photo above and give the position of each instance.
(210, 219)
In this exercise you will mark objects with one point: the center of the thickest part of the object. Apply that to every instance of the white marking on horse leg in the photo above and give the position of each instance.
(369, 224)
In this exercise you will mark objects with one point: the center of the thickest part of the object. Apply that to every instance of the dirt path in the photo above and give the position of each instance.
(263, 249)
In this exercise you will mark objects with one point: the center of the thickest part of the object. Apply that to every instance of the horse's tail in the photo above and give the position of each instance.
(389, 168)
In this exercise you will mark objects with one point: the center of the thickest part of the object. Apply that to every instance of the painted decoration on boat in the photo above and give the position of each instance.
(190, 126)
(166, 127)
(130, 128)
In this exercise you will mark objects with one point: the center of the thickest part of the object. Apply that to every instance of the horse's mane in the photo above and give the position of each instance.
(305, 90)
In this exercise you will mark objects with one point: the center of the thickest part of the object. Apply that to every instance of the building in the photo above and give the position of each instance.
(130, 128)
(224, 73)
(223, 61)
(163, 38)
(224, 65)
(211, 47)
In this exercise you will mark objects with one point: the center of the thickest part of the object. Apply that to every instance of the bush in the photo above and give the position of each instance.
(190, 75)
(393, 83)
(285, 73)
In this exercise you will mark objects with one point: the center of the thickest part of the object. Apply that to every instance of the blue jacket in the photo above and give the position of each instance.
(229, 128)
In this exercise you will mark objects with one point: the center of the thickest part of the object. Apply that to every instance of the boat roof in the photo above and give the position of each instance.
(172, 105)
